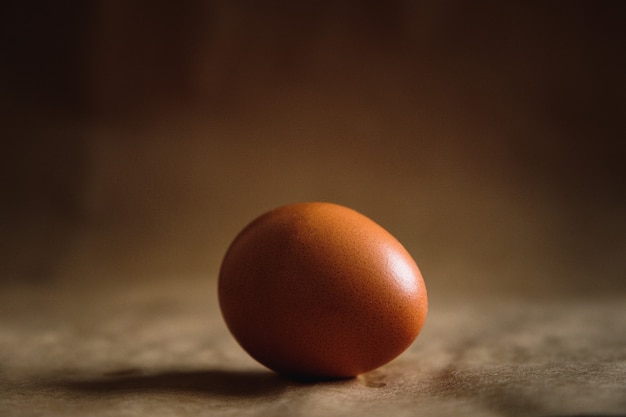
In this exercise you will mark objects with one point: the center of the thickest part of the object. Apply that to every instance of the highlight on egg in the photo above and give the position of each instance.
(317, 290)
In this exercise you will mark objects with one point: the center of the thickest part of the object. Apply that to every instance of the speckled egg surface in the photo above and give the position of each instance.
(318, 290)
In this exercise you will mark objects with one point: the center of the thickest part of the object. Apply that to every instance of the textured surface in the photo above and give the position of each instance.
(162, 349)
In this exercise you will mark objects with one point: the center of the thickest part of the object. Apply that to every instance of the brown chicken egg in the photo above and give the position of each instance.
(318, 290)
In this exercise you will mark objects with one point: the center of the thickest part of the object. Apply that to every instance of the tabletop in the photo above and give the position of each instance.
(161, 348)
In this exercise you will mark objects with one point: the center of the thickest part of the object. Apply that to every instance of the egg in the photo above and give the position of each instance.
(317, 290)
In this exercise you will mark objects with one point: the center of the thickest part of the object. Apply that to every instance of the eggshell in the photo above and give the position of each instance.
(318, 290)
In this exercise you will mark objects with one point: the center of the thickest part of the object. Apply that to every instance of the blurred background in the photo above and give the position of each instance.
(138, 137)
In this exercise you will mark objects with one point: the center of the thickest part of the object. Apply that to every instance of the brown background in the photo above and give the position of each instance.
(139, 137)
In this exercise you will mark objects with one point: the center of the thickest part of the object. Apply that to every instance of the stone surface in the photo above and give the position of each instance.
(161, 349)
